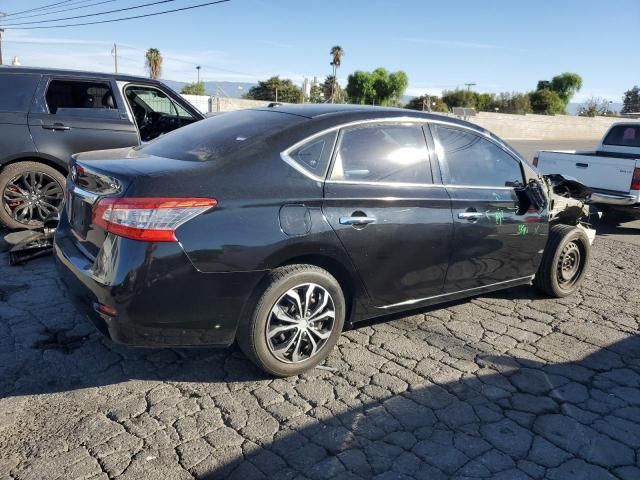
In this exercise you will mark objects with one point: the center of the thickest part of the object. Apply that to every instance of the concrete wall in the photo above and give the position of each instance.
(545, 127)
(510, 127)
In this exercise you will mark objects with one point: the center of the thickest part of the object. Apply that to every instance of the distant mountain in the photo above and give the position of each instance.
(224, 89)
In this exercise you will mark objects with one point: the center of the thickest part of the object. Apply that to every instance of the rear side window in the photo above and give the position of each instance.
(469, 159)
(17, 91)
(624, 136)
(315, 154)
(65, 94)
(214, 138)
(383, 153)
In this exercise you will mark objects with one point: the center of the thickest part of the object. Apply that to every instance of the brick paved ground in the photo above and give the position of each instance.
(507, 386)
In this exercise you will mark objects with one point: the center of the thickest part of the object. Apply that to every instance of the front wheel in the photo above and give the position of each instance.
(564, 262)
(296, 322)
(31, 192)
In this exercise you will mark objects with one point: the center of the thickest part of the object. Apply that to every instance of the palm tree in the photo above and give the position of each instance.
(153, 62)
(336, 53)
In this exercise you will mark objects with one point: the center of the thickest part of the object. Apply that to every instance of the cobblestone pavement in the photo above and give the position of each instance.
(505, 386)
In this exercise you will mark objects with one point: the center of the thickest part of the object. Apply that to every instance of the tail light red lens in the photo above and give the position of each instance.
(635, 181)
(535, 161)
(148, 219)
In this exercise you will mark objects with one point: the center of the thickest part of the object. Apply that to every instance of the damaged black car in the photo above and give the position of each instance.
(276, 227)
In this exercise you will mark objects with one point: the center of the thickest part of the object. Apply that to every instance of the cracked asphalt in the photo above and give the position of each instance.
(505, 386)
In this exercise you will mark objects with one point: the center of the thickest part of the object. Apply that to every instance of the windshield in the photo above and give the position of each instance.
(215, 137)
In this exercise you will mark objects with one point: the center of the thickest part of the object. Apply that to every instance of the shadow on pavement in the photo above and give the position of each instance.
(566, 421)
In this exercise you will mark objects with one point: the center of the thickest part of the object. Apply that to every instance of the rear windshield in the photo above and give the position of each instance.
(216, 137)
(624, 136)
(16, 91)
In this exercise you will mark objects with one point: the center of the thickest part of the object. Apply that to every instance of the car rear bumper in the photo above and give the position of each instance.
(154, 294)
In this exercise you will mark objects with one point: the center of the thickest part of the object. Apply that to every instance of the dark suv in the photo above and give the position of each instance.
(48, 115)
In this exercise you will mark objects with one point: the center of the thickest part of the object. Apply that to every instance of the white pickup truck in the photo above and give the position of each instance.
(612, 170)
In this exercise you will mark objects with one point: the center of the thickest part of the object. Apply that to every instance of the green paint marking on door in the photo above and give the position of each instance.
(523, 229)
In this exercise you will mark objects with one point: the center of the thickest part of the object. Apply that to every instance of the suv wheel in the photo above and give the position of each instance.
(31, 192)
(564, 262)
(296, 322)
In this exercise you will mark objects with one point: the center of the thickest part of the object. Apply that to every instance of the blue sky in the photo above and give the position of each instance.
(500, 45)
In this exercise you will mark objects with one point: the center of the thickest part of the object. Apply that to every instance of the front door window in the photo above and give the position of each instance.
(155, 112)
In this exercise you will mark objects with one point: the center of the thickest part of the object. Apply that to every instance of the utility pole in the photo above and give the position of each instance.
(198, 69)
(114, 52)
(469, 85)
(276, 94)
(2, 14)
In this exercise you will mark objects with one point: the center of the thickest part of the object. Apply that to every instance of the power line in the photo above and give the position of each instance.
(92, 14)
(46, 7)
(21, 17)
(121, 19)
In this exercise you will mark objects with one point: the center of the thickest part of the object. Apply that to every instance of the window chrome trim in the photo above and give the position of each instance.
(384, 184)
(420, 300)
(286, 157)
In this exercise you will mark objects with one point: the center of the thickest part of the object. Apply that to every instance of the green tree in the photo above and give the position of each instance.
(566, 85)
(460, 98)
(505, 102)
(422, 103)
(360, 88)
(276, 89)
(379, 87)
(331, 89)
(153, 63)
(336, 53)
(316, 95)
(195, 88)
(631, 100)
(546, 102)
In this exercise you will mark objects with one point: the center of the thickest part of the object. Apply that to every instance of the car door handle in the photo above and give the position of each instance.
(357, 220)
(56, 126)
(471, 216)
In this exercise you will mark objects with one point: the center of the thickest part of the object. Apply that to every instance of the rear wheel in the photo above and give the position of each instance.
(564, 262)
(296, 322)
(31, 192)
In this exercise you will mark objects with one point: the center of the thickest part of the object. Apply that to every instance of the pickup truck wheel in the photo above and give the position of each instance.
(31, 191)
(296, 322)
(564, 262)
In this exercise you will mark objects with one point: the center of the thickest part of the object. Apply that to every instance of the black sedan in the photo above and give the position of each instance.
(277, 226)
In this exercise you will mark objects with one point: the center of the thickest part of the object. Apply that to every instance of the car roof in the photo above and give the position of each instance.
(75, 73)
(346, 112)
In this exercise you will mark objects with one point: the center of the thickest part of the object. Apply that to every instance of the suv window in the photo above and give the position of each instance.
(17, 91)
(64, 94)
(155, 113)
(383, 153)
(469, 159)
(624, 136)
(315, 154)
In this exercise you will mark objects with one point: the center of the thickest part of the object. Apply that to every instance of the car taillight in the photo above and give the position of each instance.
(535, 161)
(635, 181)
(148, 219)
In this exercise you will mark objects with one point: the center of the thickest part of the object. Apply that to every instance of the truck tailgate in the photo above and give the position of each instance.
(601, 173)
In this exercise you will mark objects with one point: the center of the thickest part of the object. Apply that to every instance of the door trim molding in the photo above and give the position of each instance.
(414, 301)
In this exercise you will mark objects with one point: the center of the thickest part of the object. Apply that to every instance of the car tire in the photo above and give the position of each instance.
(264, 336)
(564, 261)
(15, 170)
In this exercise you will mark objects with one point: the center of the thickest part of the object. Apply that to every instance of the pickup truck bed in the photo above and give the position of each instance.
(612, 171)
